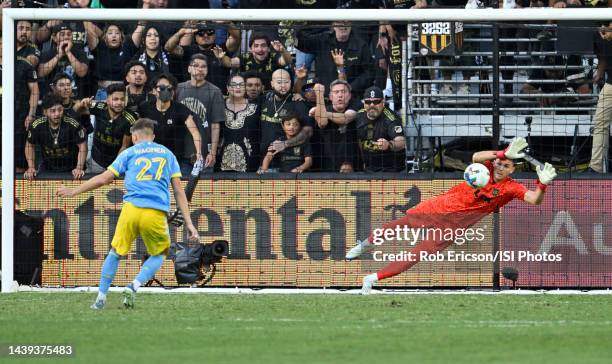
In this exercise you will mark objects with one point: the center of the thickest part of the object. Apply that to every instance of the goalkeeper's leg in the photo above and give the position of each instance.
(395, 268)
(367, 245)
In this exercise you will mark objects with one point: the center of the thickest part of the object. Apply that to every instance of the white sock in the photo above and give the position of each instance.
(372, 277)
(101, 297)
(136, 285)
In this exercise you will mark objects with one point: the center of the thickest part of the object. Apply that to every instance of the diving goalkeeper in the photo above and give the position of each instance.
(461, 207)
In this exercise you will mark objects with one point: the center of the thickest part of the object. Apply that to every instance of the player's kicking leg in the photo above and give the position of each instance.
(109, 269)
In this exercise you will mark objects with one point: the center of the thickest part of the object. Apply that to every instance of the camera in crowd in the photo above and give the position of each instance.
(195, 264)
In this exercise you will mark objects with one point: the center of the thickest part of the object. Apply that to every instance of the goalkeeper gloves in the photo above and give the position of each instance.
(514, 150)
(545, 175)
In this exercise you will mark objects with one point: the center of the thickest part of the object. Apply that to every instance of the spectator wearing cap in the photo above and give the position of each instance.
(205, 101)
(380, 135)
(336, 127)
(108, 67)
(145, 46)
(63, 57)
(555, 68)
(329, 48)
(61, 139)
(201, 39)
(61, 85)
(259, 58)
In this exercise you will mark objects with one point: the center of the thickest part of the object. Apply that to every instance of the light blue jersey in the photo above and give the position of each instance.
(148, 168)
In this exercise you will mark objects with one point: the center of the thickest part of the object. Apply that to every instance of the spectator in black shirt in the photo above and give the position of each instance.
(145, 46)
(204, 39)
(63, 57)
(357, 57)
(26, 102)
(25, 48)
(380, 133)
(108, 65)
(112, 127)
(173, 120)
(259, 58)
(61, 139)
(136, 90)
(295, 159)
(240, 130)
(276, 104)
(336, 127)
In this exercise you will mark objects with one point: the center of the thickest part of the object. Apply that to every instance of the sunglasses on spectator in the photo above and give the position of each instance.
(164, 87)
(202, 33)
(372, 101)
(236, 84)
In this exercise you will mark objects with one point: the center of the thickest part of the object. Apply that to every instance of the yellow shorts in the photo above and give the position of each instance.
(150, 224)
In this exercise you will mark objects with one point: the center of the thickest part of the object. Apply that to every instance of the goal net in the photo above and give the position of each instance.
(227, 85)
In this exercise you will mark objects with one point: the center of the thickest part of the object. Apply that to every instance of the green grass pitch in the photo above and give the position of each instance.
(376, 329)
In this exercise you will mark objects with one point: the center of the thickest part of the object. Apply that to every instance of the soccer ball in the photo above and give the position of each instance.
(476, 175)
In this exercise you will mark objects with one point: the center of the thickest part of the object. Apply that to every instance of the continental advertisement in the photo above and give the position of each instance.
(295, 233)
(282, 233)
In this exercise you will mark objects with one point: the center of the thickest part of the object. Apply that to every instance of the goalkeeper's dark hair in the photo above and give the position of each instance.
(144, 125)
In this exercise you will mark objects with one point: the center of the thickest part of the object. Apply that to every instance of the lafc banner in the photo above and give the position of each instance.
(291, 233)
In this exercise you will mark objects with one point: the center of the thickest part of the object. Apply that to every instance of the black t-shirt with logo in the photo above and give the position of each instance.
(27, 50)
(387, 126)
(171, 129)
(338, 142)
(64, 66)
(272, 113)
(292, 157)
(265, 68)
(60, 146)
(108, 134)
(108, 63)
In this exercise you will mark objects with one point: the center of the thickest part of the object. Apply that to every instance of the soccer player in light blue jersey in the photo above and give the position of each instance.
(149, 169)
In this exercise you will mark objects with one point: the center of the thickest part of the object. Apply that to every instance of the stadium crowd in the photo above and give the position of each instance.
(246, 98)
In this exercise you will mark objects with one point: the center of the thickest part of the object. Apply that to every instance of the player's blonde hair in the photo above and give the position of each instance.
(144, 126)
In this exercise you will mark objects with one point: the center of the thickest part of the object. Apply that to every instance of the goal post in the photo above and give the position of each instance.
(11, 16)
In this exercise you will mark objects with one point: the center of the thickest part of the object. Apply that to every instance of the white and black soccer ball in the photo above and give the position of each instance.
(476, 175)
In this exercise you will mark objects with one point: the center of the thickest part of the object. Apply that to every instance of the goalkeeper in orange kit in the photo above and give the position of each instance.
(461, 207)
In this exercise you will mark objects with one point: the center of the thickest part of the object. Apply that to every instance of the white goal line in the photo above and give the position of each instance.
(281, 291)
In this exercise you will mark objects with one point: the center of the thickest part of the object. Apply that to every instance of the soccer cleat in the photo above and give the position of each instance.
(98, 305)
(128, 296)
(368, 282)
(361, 247)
